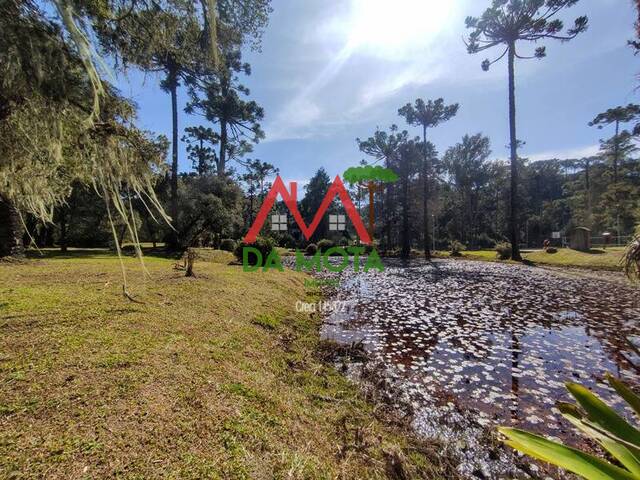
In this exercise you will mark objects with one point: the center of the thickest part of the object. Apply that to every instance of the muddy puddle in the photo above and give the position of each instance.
(472, 345)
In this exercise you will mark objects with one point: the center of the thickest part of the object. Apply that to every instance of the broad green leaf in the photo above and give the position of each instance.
(581, 463)
(626, 456)
(625, 392)
(602, 415)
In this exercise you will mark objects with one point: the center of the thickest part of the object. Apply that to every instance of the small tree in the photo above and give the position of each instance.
(373, 177)
(200, 142)
(427, 115)
(503, 24)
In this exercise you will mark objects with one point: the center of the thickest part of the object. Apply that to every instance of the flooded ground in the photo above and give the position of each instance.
(473, 345)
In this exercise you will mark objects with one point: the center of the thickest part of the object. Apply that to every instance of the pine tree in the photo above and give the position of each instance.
(503, 25)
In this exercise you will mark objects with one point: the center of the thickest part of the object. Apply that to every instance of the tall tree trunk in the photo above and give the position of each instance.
(513, 222)
(587, 178)
(388, 211)
(173, 86)
(222, 157)
(616, 160)
(616, 154)
(224, 137)
(425, 196)
(406, 239)
(371, 186)
(63, 230)
(11, 230)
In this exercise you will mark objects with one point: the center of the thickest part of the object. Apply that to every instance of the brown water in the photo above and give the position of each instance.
(497, 341)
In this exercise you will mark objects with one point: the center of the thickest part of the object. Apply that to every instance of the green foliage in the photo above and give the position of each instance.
(616, 115)
(507, 21)
(429, 114)
(263, 244)
(200, 142)
(284, 239)
(598, 421)
(311, 249)
(218, 97)
(228, 244)
(383, 145)
(503, 249)
(209, 208)
(369, 173)
(325, 244)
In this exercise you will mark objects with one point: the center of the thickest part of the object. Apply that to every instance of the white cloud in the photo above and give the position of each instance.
(577, 152)
(380, 50)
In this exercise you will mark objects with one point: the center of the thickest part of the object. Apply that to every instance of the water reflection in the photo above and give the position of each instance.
(498, 340)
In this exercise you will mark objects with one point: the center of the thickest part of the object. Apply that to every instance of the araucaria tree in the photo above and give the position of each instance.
(200, 142)
(219, 99)
(503, 25)
(384, 146)
(427, 115)
(617, 116)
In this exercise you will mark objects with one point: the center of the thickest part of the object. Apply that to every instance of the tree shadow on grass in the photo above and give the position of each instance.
(85, 253)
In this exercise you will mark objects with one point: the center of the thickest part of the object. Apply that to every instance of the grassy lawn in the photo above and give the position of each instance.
(211, 377)
(608, 259)
(598, 259)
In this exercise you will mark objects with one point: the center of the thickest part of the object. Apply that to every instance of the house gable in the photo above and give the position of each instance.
(337, 188)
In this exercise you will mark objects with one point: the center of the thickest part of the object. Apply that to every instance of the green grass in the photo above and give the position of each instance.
(215, 376)
(597, 259)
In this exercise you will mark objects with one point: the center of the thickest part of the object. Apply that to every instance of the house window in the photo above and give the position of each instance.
(337, 222)
(278, 222)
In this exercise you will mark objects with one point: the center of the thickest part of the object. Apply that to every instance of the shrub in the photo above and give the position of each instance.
(551, 250)
(455, 247)
(504, 250)
(485, 241)
(287, 241)
(264, 246)
(228, 245)
(325, 244)
(312, 248)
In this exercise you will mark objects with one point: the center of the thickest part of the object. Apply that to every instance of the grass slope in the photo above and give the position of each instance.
(212, 377)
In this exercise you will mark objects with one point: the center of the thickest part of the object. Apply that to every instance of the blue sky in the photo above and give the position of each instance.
(333, 70)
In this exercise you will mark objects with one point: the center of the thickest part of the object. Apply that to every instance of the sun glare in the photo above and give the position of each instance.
(384, 27)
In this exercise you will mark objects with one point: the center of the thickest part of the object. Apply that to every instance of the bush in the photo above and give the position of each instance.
(228, 245)
(312, 248)
(485, 241)
(287, 241)
(551, 250)
(455, 247)
(325, 244)
(504, 250)
(264, 246)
